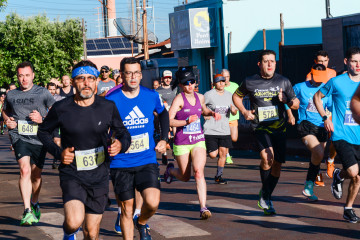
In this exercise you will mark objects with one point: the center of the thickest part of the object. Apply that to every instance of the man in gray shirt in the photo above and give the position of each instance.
(105, 83)
(217, 133)
(23, 110)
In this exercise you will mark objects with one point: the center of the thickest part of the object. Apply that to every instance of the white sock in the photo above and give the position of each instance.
(346, 208)
(34, 203)
(228, 155)
(137, 211)
(119, 210)
(164, 154)
(330, 160)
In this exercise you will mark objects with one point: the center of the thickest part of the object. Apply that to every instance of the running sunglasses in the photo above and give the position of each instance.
(104, 71)
(187, 83)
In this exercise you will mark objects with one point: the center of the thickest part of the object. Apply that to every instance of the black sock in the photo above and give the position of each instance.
(272, 183)
(265, 179)
(219, 171)
(312, 172)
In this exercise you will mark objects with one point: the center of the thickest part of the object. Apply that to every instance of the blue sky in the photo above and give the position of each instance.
(86, 9)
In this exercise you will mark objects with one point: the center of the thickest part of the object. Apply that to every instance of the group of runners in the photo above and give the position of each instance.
(98, 127)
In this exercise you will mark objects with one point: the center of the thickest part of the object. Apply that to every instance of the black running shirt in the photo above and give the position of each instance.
(270, 113)
(84, 128)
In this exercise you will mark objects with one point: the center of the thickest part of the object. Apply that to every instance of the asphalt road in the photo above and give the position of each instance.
(235, 214)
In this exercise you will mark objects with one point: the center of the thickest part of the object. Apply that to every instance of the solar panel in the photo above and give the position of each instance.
(118, 45)
(127, 45)
(97, 53)
(90, 46)
(90, 41)
(125, 51)
(103, 46)
(100, 41)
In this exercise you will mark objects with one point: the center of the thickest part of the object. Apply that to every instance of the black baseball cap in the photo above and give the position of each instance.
(105, 67)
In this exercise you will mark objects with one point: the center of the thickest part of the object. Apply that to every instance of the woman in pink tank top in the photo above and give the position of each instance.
(189, 141)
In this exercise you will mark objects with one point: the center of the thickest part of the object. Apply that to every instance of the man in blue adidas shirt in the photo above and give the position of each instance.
(346, 132)
(310, 125)
(138, 168)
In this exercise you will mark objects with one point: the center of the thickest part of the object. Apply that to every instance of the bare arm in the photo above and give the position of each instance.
(238, 101)
(177, 104)
(319, 106)
(291, 118)
(294, 104)
(355, 105)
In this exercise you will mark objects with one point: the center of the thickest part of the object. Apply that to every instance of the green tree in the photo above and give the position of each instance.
(51, 46)
(3, 4)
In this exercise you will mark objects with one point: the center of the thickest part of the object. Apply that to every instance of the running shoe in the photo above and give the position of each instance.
(205, 213)
(164, 160)
(136, 219)
(337, 185)
(144, 232)
(319, 182)
(71, 236)
(270, 210)
(330, 169)
(36, 210)
(28, 218)
(229, 160)
(220, 180)
(309, 191)
(349, 214)
(117, 224)
(167, 176)
(263, 202)
(2, 132)
(55, 166)
(168, 146)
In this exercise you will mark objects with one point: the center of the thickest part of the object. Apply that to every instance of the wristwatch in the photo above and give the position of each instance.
(324, 118)
(166, 139)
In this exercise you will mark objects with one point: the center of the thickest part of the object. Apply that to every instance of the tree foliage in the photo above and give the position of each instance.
(51, 46)
(3, 4)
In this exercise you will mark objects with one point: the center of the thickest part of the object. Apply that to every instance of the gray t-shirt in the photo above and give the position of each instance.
(167, 95)
(103, 86)
(21, 104)
(218, 104)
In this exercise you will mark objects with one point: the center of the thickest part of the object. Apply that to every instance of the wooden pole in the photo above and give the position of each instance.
(84, 39)
(138, 21)
(132, 48)
(132, 18)
(146, 44)
(230, 37)
(282, 43)
(264, 38)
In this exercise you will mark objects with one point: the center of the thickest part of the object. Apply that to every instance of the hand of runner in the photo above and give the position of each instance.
(114, 148)
(11, 123)
(207, 117)
(35, 117)
(217, 116)
(233, 109)
(192, 119)
(67, 155)
(291, 120)
(161, 146)
(329, 126)
(249, 115)
(282, 96)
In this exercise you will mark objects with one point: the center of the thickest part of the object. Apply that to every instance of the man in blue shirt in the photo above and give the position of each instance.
(346, 132)
(137, 168)
(310, 126)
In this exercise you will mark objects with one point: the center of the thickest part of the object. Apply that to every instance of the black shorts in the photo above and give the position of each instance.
(277, 141)
(125, 180)
(96, 200)
(307, 128)
(213, 142)
(349, 153)
(56, 133)
(36, 153)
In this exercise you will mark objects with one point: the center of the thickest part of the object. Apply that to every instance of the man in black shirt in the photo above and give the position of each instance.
(268, 92)
(84, 121)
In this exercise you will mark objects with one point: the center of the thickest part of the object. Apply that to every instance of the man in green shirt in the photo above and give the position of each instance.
(233, 121)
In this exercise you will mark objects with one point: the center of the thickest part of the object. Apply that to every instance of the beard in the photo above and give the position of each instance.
(86, 96)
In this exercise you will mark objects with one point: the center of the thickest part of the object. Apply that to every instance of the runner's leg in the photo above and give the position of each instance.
(25, 180)
(138, 202)
(183, 172)
(126, 219)
(74, 215)
(36, 182)
(351, 173)
(198, 156)
(91, 226)
(151, 198)
(234, 133)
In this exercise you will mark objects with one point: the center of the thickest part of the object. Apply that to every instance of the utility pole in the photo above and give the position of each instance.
(146, 44)
(282, 43)
(264, 38)
(132, 18)
(138, 21)
(84, 39)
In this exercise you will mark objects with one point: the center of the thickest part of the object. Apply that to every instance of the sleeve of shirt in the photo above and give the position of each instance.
(159, 105)
(328, 88)
(242, 90)
(329, 103)
(121, 133)
(7, 106)
(49, 99)
(45, 133)
(289, 91)
(296, 91)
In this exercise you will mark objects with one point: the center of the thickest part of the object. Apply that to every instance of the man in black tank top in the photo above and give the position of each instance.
(268, 93)
(67, 90)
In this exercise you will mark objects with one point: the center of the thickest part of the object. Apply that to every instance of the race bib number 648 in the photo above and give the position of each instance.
(27, 127)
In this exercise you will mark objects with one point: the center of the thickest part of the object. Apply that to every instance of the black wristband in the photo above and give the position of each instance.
(289, 100)
(166, 139)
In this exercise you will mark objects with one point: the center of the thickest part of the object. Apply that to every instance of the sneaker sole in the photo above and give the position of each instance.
(350, 221)
(205, 215)
(262, 208)
(221, 183)
(317, 185)
(118, 232)
(328, 176)
(269, 213)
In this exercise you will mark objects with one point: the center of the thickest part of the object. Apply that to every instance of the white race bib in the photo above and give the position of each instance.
(349, 120)
(192, 128)
(139, 143)
(268, 113)
(89, 159)
(27, 128)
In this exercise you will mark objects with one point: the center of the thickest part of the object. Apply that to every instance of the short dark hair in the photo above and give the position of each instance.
(24, 65)
(50, 84)
(352, 51)
(84, 63)
(157, 80)
(11, 84)
(266, 52)
(319, 67)
(321, 53)
(67, 75)
(128, 60)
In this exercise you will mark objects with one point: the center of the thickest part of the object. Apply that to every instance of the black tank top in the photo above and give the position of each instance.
(64, 95)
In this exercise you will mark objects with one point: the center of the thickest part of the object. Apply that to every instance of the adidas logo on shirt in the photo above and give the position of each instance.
(135, 119)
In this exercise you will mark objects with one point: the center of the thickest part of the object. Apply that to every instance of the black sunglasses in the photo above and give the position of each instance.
(187, 83)
(104, 71)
